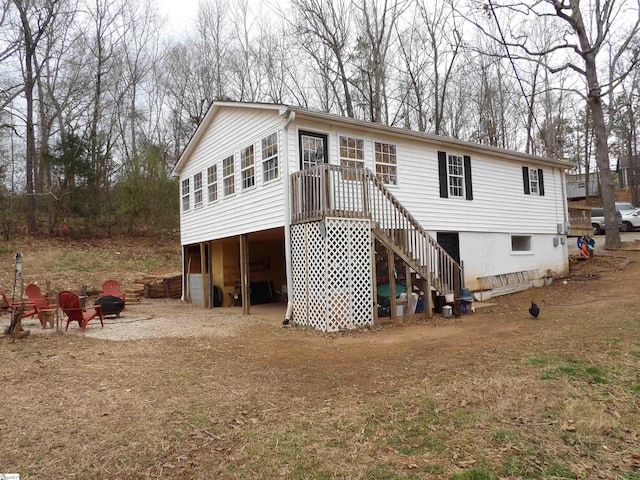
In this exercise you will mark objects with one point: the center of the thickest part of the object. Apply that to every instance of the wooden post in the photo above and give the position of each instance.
(326, 193)
(203, 270)
(392, 284)
(244, 274)
(365, 196)
(456, 289)
(409, 290)
(428, 295)
(210, 269)
(374, 284)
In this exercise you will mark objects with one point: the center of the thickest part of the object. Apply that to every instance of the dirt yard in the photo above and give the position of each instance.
(169, 390)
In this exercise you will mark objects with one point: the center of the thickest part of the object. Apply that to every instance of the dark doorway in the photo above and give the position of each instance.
(313, 149)
(450, 241)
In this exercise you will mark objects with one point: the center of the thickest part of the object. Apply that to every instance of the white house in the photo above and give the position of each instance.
(334, 213)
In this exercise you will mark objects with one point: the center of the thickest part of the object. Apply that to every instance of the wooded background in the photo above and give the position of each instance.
(98, 100)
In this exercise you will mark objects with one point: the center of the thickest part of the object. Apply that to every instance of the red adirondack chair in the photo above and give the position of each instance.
(70, 304)
(34, 294)
(29, 309)
(112, 287)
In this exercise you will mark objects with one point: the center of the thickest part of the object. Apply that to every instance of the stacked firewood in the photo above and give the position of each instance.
(159, 287)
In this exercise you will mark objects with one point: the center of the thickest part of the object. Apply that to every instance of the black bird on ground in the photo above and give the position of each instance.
(534, 310)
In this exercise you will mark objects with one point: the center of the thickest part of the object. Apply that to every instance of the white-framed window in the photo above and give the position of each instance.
(212, 183)
(351, 153)
(197, 190)
(247, 169)
(533, 181)
(385, 154)
(185, 194)
(270, 157)
(521, 244)
(228, 176)
(455, 170)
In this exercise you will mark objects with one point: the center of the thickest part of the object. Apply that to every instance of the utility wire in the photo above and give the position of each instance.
(515, 70)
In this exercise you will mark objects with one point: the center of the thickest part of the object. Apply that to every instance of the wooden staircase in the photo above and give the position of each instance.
(336, 191)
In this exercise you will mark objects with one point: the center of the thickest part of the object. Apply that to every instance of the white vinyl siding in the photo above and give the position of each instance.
(247, 170)
(228, 176)
(212, 183)
(259, 208)
(270, 157)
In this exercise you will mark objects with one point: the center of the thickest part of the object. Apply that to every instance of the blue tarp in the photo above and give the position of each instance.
(383, 289)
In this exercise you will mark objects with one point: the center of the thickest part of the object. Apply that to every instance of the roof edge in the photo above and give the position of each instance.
(436, 139)
(214, 108)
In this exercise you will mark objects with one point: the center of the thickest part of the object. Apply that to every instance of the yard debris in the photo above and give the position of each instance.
(169, 286)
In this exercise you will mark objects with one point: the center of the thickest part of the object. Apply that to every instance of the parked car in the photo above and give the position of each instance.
(597, 220)
(630, 220)
(625, 207)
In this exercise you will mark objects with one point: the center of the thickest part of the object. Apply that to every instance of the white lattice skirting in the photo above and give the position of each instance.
(331, 266)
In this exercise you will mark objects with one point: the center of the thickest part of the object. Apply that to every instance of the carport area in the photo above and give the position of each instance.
(217, 272)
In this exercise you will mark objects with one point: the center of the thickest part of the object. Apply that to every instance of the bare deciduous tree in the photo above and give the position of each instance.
(34, 20)
(323, 26)
(584, 28)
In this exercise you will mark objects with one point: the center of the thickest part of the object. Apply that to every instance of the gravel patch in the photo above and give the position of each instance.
(156, 318)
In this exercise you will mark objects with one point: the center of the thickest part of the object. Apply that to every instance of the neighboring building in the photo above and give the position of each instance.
(628, 173)
(338, 212)
(577, 186)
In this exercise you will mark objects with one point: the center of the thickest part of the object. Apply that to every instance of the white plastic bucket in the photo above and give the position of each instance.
(446, 311)
(414, 302)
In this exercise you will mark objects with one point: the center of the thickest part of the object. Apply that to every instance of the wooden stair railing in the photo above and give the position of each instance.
(336, 191)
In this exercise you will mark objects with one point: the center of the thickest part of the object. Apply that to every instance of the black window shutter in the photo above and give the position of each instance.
(540, 182)
(525, 178)
(442, 172)
(468, 186)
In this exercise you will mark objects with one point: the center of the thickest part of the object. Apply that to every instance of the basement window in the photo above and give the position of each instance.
(521, 244)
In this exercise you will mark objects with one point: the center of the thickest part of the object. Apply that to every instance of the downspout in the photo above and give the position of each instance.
(290, 116)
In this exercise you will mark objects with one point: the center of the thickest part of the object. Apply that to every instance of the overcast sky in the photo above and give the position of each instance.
(180, 14)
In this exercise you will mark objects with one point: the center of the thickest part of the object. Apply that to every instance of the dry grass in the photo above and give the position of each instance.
(496, 395)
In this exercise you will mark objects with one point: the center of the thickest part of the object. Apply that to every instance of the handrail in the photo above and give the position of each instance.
(337, 191)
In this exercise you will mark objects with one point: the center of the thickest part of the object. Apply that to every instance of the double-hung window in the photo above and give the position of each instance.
(270, 157)
(385, 155)
(197, 190)
(185, 194)
(228, 176)
(455, 176)
(351, 154)
(212, 183)
(533, 181)
(455, 173)
(247, 170)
